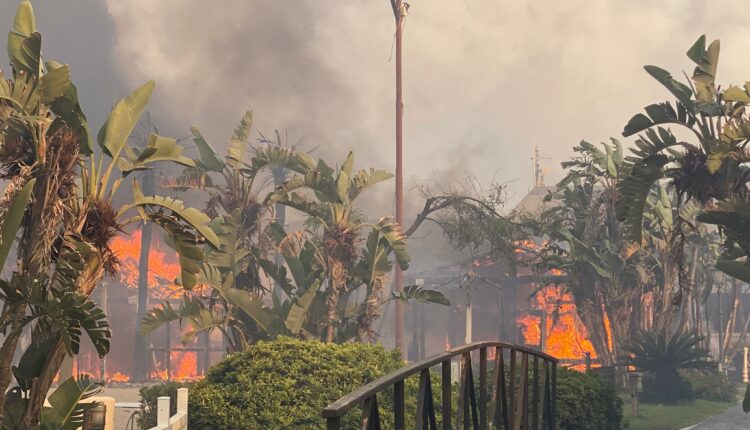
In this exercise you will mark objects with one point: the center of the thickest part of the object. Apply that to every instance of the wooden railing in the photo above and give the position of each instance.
(508, 405)
(178, 421)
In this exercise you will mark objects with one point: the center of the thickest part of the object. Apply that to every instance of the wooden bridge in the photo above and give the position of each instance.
(522, 394)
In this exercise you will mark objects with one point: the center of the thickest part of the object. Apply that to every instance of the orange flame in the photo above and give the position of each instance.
(566, 336)
(163, 268)
(163, 271)
(118, 377)
(184, 367)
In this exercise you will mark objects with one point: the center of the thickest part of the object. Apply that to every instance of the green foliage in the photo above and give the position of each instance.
(710, 386)
(12, 220)
(65, 410)
(284, 384)
(707, 171)
(587, 242)
(419, 294)
(586, 402)
(60, 202)
(65, 312)
(149, 395)
(661, 357)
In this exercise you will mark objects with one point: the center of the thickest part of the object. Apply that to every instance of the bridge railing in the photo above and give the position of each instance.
(522, 392)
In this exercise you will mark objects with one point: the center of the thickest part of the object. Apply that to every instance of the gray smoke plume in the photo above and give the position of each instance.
(485, 81)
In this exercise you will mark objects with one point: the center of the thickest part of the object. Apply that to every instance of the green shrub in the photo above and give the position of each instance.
(710, 386)
(150, 394)
(586, 402)
(661, 357)
(286, 383)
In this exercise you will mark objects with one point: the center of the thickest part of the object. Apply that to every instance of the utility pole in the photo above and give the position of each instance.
(399, 13)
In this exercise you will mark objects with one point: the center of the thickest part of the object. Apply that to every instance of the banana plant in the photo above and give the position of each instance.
(240, 316)
(587, 242)
(66, 409)
(336, 228)
(234, 271)
(705, 170)
(733, 219)
(672, 236)
(60, 200)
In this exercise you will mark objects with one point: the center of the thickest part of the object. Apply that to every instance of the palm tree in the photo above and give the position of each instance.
(337, 227)
(63, 210)
(662, 356)
(303, 309)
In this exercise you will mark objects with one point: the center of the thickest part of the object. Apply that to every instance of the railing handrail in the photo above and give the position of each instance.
(345, 403)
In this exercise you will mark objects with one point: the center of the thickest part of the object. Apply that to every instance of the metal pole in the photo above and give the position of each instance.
(744, 366)
(400, 14)
(721, 329)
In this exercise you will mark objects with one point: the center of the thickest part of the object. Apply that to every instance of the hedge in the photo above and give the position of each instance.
(286, 383)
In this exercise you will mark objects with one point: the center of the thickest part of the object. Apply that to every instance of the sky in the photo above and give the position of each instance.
(485, 81)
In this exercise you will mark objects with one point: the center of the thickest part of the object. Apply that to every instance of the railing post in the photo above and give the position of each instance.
(333, 423)
(512, 388)
(398, 406)
(524, 399)
(162, 411)
(446, 385)
(483, 388)
(182, 400)
(535, 395)
(553, 394)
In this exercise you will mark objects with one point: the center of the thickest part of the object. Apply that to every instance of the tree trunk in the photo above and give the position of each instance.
(729, 328)
(665, 307)
(88, 280)
(7, 351)
(337, 282)
(139, 359)
(42, 385)
(686, 305)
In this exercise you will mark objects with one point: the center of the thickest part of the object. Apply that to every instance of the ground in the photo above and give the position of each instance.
(676, 417)
(731, 419)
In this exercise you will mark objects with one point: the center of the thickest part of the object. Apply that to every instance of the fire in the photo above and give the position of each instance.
(531, 329)
(566, 336)
(118, 377)
(163, 268)
(184, 367)
(163, 271)
(187, 366)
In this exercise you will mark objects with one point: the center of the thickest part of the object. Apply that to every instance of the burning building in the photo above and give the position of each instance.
(166, 356)
(489, 301)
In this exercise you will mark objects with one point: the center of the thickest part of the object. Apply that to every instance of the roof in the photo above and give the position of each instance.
(533, 203)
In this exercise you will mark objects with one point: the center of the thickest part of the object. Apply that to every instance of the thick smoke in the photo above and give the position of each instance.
(485, 81)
